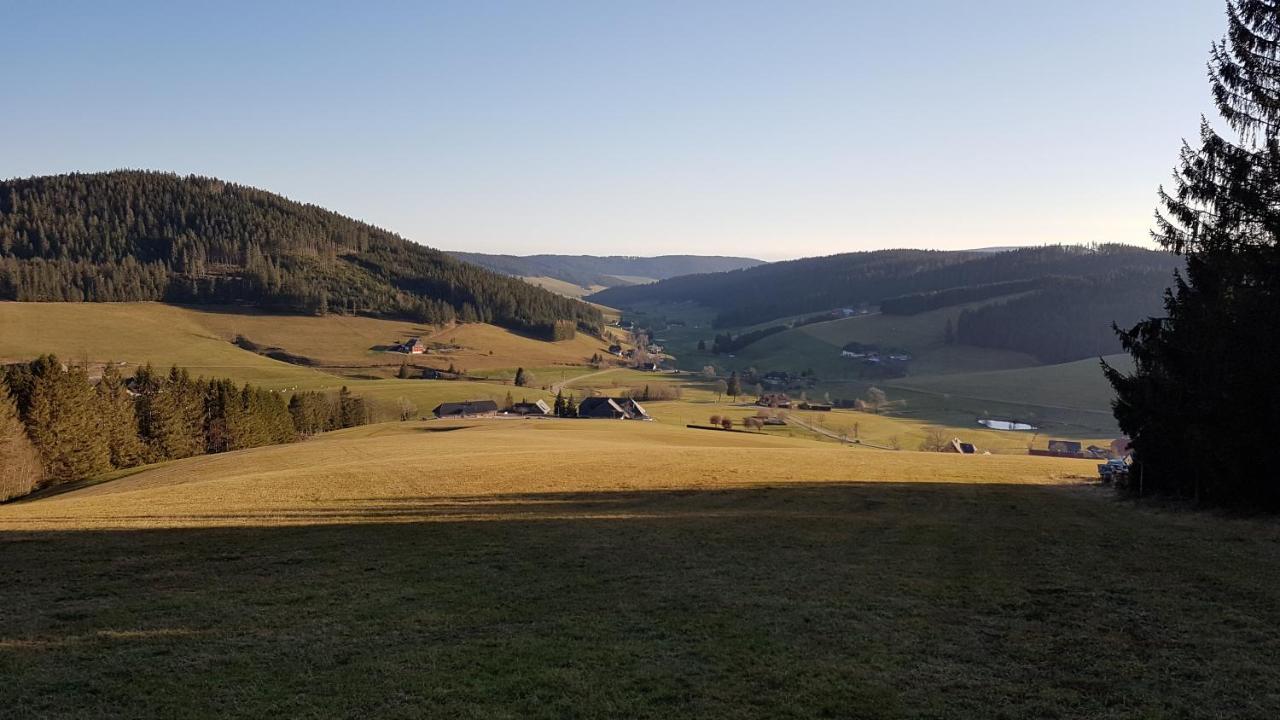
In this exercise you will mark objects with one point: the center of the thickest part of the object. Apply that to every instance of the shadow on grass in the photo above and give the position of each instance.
(849, 600)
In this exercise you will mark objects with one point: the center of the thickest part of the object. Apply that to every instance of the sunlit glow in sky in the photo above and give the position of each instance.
(772, 130)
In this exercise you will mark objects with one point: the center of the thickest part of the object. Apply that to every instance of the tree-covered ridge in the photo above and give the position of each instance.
(756, 295)
(588, 270)
(133, 235)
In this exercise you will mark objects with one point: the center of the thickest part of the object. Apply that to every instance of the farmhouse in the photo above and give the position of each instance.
(413, 346)
(466, 408)
(1061, 448)
(537, 407)
(958, 446)
(816, 407)
(611, 408)
(774, 400)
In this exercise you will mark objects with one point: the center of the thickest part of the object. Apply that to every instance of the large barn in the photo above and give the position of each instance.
(466, 408)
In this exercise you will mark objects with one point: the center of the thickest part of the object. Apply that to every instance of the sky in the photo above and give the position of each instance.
(763, 129)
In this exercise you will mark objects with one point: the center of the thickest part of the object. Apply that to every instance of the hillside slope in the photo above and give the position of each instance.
(128, 235)
(546, 569)
(587, 271)
(755, 295)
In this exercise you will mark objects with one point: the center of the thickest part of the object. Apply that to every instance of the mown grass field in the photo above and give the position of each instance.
(606, 569)
(201, 338)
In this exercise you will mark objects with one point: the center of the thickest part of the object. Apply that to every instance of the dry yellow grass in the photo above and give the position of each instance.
(549, 569)
(200, 338)
(424, 470)
(134, 333)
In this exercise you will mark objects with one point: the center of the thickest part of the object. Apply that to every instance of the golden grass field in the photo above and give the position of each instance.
(339, 476)
(200, 338)
(601, 569)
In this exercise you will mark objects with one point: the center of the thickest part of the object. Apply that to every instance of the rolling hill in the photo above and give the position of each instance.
(130, 236)
(585, 274)
(1055, 303)
(577, 568)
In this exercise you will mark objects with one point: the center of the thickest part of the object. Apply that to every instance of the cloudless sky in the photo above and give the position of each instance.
(779, 129)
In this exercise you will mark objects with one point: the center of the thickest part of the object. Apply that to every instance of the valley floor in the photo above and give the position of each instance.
(547, 568)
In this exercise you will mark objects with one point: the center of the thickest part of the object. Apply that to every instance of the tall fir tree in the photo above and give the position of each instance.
(63, 422)
(119, 418)
(20, 469)
(734, 386)
(1203, 399)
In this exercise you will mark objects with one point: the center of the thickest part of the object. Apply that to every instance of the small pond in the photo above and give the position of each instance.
(1006, 425)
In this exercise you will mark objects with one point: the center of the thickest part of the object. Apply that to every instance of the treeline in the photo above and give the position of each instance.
(759, 294)
(588, 270)
(917, 303)
(77, 429)
(130, 236)
(729, 343)
(1070, 320)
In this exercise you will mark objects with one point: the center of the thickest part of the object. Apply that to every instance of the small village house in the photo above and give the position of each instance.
(466, 409)
(537, 407)
(413, 346)
(611, 409)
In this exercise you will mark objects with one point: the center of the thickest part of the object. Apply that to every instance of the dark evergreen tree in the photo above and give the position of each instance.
(733, 387)
(1203, 399)
(520, 380)
(170, 414)
(570, 408)
(558, 409)
(62, 420)
(20, 468)
(119, 418)
(352, 410)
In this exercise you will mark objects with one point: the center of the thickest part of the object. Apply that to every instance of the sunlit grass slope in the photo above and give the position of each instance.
(134, 333)
(1077, 385)
(191, 336)
(599, 569)
(339, 476)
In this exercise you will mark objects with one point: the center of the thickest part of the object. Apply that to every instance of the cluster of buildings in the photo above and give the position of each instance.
(612, 408)
(873, 357)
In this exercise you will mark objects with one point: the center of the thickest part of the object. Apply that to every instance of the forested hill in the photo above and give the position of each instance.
(609, 271)
(767, 292)
(131, 235)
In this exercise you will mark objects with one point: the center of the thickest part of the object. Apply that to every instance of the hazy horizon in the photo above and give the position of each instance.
(754, 130)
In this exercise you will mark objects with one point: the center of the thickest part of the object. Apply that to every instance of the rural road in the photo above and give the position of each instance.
(557, 387)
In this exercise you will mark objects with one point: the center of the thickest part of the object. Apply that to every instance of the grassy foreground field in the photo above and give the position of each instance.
(603, 569)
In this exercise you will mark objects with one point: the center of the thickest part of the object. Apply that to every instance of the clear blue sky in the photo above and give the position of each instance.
(769, 129)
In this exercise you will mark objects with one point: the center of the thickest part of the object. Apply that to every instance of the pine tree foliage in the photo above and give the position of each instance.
(59, 412)
(20, 469)
(72, 428)
(126, 236)
(119, 419)
(1203, 400)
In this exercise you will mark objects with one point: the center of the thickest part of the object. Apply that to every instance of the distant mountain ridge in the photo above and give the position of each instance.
(608, 270)
(1055, 302)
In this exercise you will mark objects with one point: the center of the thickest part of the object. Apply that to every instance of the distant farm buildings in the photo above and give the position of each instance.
(412, 346)
(1061, 448)
(774, 400)
(466, 409)
(611, 409)
(537, 407)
